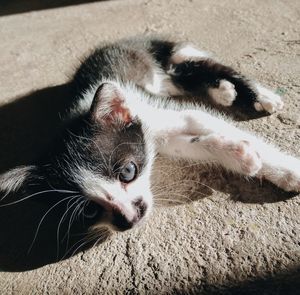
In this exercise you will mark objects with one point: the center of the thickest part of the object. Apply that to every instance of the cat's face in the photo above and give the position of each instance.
(110, 161)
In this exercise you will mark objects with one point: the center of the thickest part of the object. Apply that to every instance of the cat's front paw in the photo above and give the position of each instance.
(287, 178)
(225, 94)
(268, 101)
(283, 171)
(290, 181)
(237, 155)
(246, 156)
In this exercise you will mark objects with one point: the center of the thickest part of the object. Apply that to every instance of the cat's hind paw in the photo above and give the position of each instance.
(268, 101)
(225, 94)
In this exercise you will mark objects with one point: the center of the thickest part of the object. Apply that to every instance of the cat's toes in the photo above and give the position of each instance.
(284, 172)
(268, 101)
(249, 159)
(290, 181)
(224, 94)
(244, 158)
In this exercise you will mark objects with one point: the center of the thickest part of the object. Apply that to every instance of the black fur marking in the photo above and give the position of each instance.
(195, 77)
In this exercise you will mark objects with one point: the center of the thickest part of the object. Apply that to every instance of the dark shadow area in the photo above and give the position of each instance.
(33, 235)
(238, 113)
(282, 283)
(19, 6)
(210, 179)
(251, 190)
(28, 127)
(29, 124)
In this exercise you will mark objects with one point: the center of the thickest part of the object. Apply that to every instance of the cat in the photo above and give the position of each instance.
(138, 97)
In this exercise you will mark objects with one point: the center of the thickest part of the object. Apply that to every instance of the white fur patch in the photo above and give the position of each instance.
(155, 86)
(188, 52)
(224, 95)
(162, 85)
(268, 100)
(12, 180)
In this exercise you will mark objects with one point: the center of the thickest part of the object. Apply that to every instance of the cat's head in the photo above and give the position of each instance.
(108, 158)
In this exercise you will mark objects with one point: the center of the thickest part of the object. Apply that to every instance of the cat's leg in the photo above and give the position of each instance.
(194, 72)
(236, 155)
(197, 73)
(197, 135)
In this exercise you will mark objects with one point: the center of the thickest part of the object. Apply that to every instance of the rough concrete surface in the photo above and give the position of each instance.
(219, 233)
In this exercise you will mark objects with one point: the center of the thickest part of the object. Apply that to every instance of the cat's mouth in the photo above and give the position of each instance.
(115, 217)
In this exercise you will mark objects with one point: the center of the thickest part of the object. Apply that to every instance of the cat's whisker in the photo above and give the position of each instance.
(36, 194)
(82, 244)
(69, 250)
(156, 184)
(42, 219)
(71, 220)
(61, 221)
(74, 209)
(85, 240)
(162, 192)
(177, 162)
(176, 194)
(180, 187)
(81, 210)
(101, 237)
(169, 201)
(5, 195)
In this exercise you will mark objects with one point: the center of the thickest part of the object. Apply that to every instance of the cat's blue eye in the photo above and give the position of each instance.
(128, 172)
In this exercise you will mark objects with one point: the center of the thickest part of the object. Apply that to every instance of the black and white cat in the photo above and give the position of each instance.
(122, 115)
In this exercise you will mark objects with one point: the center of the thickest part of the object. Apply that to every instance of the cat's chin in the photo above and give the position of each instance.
(113, 228)
(125, 227)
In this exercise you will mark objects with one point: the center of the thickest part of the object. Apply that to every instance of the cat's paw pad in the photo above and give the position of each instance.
(224, 94)
(268, 101)
(246, 155)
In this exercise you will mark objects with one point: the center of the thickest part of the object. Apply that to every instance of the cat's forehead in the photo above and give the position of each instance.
(125, 143)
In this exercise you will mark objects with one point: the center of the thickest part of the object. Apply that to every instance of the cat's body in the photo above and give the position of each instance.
(122, 115)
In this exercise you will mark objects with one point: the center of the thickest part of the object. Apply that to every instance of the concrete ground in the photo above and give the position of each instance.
(219, 234)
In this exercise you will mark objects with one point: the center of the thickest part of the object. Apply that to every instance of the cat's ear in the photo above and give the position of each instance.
(109, 106)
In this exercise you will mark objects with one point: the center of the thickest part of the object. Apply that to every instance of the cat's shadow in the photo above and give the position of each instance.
(27, 128)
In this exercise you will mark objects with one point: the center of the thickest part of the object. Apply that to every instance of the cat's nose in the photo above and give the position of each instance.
(123, 222)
